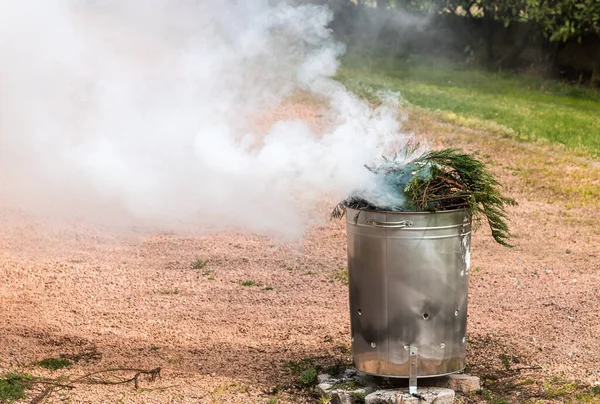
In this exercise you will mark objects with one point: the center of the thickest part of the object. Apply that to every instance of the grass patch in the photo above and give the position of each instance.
(14, 386)
(248, 283)
(525, 107)
(342, 276)
(308, 377)
(199, 264)
(570, 391)
(306, 371)
(299, 366)
(543, 172)
(54, 363)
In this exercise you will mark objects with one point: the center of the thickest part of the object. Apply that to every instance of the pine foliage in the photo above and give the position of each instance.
(441, 180)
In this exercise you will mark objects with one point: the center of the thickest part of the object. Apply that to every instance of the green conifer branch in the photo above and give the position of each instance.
(443, 180)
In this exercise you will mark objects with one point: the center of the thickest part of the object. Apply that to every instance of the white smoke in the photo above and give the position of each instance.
(122, 111)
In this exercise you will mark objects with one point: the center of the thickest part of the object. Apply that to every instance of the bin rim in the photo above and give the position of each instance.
(395, 212)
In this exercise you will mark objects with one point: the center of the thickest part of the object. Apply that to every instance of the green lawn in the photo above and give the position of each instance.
(527, 107)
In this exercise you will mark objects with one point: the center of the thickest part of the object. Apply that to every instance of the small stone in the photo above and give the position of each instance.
(350, 372)
(548, 271)
(460, 383)
(570, 318)
(430, 394)
(569, 251)
(324, 389)
(323, 378)
(347, 397)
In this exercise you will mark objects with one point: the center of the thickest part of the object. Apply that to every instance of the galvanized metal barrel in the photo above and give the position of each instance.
(409, 276)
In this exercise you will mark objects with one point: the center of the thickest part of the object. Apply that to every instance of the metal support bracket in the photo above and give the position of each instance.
(412, 380)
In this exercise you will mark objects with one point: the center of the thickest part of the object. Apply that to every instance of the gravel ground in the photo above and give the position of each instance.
(139, 302)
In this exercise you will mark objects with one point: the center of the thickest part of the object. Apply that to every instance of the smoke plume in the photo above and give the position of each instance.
(129, 112)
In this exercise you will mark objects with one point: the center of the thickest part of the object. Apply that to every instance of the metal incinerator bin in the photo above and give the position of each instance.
(408, 278)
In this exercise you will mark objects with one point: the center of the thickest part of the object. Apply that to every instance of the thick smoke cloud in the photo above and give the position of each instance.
(125, 112)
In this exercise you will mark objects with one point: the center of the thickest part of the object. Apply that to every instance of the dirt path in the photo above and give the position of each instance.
(223, 332)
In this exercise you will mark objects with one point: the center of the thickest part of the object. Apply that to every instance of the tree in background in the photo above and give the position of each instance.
(478, 24)
(562, 21)
(490, 17)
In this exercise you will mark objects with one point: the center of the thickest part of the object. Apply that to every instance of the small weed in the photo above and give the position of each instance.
(595, 390)
(199, 264)
(359, 395)
(553, 391)
(298, 367)
(342, 276)
(54, 363)
(476, 269)
(269, 288)
(169, 291)
(154, 348)
(310, 273)
(248, 283)
(306, 370)
(505, 361)
(487, 395)
(273, 400)
(324, 400)
(308, 377)
(14, 386)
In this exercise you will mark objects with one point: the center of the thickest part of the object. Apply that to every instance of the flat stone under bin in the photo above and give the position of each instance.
(352, 387)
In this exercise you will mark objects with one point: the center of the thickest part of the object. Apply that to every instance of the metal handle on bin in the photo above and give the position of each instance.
(391, 225)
